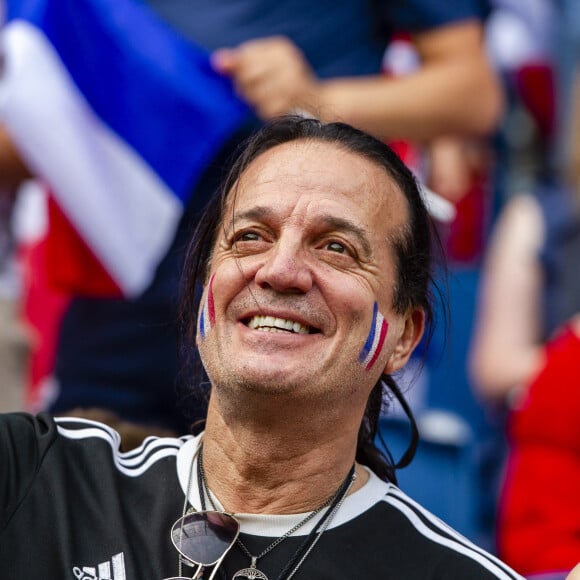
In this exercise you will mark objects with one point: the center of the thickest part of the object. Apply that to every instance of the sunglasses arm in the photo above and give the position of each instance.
(216, 567)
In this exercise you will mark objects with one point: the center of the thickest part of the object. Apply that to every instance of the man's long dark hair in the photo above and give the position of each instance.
(413, 251)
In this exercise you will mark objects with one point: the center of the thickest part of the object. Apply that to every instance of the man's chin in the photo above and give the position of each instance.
(274, 383)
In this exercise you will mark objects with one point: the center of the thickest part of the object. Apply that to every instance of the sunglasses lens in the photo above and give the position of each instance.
(204, 537)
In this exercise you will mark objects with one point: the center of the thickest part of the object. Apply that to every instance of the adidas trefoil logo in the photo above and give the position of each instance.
(110, 570)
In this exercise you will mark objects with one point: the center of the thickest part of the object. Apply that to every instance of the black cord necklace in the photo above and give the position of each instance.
(332, 504)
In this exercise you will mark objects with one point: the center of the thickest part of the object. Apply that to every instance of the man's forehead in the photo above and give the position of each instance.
(313, 159)
(316, 167)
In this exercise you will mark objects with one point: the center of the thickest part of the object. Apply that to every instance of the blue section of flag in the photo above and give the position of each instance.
(152, 87)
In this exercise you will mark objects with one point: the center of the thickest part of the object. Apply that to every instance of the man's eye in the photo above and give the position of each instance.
(336, 247)
(247, 237)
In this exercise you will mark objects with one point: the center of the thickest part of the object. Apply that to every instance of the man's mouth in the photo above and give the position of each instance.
(273, 324)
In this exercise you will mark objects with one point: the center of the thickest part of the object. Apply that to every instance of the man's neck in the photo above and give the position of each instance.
(279, 467)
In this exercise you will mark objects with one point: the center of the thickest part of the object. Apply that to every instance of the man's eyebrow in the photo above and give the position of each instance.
(346, 225)
(254, 213)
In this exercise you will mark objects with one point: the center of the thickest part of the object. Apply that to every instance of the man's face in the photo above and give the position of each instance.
(300, 290)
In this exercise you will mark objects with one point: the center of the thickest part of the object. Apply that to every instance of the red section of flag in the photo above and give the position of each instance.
(71, 265)
(42, 309)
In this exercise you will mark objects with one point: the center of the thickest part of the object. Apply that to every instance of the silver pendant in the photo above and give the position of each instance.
(251, 573)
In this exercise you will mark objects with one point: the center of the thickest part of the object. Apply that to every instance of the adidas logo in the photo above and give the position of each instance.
(110, 570)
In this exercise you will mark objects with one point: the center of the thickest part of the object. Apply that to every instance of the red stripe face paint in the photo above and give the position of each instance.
(207, 318)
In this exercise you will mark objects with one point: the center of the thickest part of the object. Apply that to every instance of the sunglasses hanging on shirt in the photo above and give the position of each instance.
(203, 539)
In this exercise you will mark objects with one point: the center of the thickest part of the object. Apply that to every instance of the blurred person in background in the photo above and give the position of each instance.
(526, 347)
(120, 354)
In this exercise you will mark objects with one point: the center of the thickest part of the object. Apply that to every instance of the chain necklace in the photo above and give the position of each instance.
(253, 573)
(186, 501)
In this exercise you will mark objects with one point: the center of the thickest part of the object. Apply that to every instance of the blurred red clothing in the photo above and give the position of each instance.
(539, 520)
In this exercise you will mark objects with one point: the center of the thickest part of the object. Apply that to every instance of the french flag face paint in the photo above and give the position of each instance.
(207, 318)
(375, 340)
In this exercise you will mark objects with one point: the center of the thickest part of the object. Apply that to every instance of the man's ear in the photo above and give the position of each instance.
(414, 326)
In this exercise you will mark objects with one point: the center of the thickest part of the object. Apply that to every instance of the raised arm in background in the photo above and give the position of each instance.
(507, 347)
(454, 91)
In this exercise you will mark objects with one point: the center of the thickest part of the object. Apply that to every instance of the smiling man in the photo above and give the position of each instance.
(316, 277)
(315, 266)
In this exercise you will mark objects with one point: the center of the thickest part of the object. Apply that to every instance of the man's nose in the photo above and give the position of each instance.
(286, 268)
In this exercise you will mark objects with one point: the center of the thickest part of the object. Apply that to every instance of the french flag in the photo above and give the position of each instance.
(375, 340)
(207, 318)
(118, 115)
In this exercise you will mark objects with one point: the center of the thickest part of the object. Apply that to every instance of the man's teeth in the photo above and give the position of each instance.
(272, 324)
